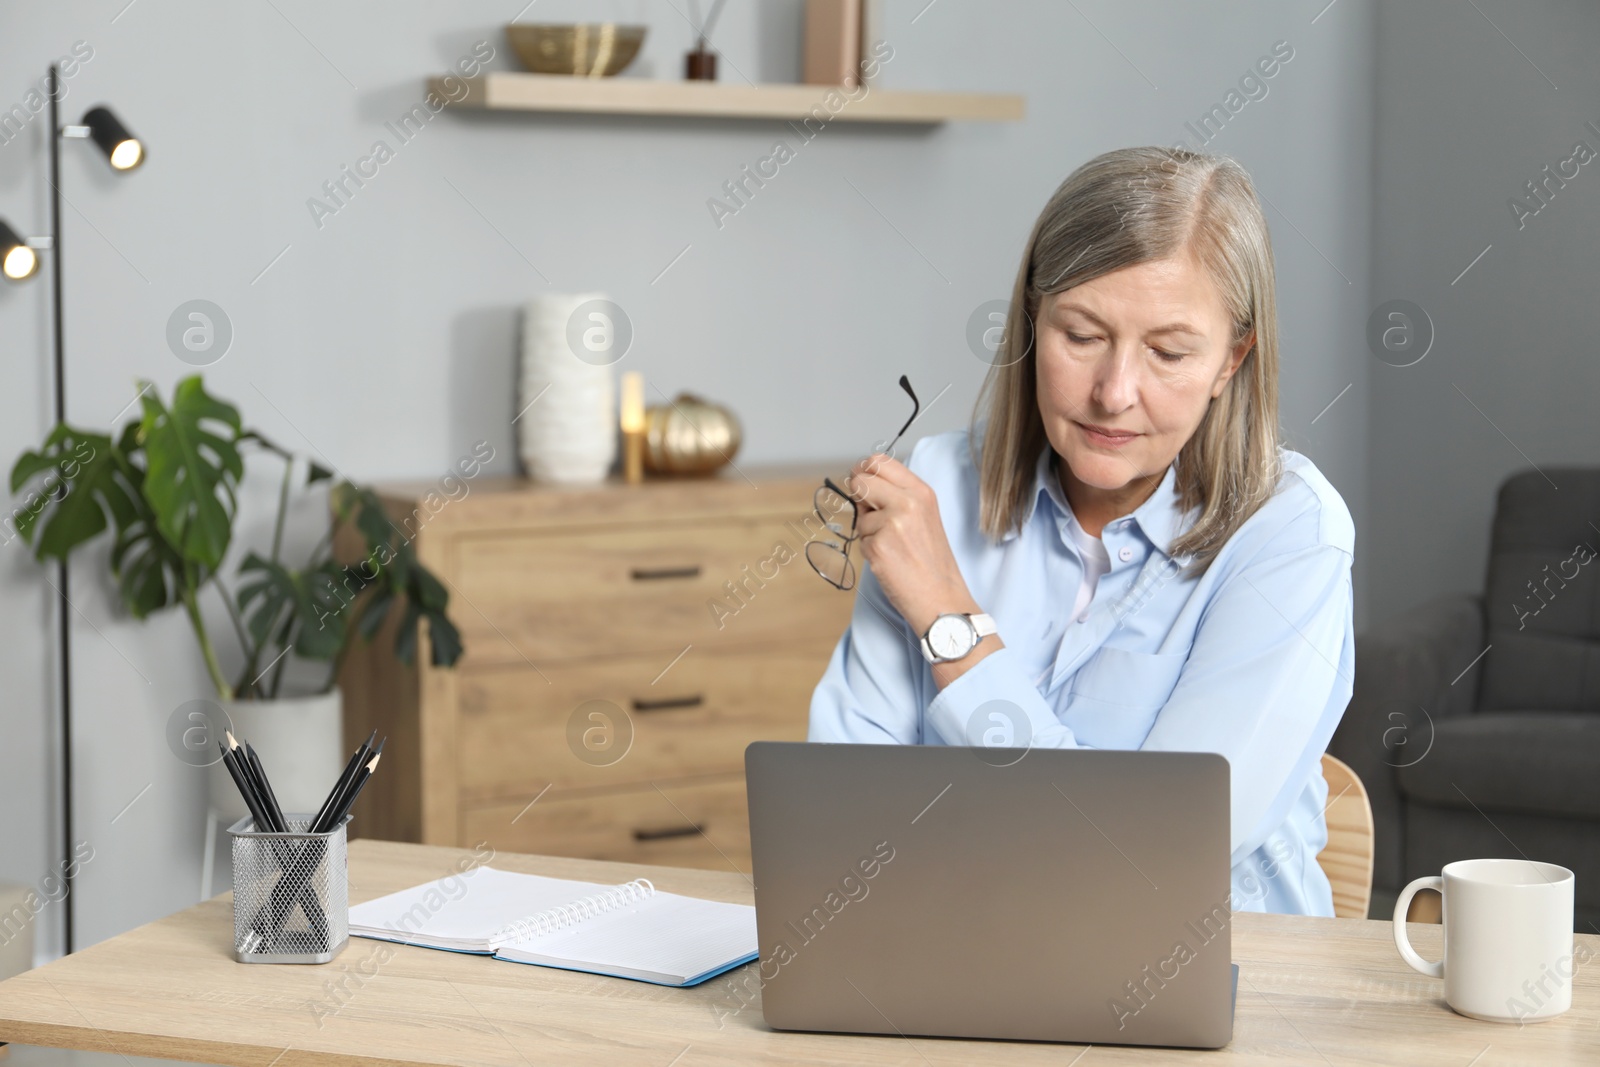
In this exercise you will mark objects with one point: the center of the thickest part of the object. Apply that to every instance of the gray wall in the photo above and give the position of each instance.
(383, 341)
(1466, 117)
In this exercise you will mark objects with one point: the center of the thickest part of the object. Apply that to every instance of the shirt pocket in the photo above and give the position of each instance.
(1115, 696)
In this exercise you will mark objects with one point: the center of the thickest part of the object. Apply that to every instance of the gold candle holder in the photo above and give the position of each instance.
(633, 456)
(633, 427)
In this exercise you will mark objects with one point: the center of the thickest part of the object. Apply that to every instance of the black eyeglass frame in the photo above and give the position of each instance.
(842, 547)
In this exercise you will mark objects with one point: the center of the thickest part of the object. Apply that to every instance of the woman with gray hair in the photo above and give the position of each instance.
(1119, 553)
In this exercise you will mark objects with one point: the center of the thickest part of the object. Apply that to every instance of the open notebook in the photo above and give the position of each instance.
(627, 931)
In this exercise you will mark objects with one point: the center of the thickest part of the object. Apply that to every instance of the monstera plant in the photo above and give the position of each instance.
(166, 488)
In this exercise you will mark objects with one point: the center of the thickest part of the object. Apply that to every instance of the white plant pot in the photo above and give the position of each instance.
(300, 742)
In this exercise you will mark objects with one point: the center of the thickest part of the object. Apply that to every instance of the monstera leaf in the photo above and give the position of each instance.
(77, 484)
(80, 481)
(428, 601)
(303, 607)
(192, 470)
(392, 570)
(149, 571)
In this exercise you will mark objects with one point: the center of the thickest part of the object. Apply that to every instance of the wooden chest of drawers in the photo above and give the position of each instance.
(623, 645)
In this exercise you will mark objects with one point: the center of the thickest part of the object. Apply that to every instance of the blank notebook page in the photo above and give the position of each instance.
(468, 910)
(668, 937)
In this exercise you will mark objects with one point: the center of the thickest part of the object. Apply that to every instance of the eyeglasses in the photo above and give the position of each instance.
(831, 559)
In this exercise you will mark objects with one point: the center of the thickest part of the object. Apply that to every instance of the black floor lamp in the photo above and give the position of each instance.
(18, 261)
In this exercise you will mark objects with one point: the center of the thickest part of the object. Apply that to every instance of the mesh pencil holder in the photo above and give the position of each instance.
(291, 892)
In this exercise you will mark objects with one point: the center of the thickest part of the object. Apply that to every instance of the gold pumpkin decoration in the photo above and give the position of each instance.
(689, 436)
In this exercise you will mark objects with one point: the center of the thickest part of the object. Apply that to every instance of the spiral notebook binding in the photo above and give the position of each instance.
(559, 918)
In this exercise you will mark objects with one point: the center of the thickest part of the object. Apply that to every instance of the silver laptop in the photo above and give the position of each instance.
(1041, 895)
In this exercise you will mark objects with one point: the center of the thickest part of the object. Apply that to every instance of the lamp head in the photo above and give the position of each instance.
(17, 260)
(123, 149)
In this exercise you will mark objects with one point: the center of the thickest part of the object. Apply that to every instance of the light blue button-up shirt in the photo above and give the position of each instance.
(1253, 659)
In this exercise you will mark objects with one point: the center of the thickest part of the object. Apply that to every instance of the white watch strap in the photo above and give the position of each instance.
(984, 624)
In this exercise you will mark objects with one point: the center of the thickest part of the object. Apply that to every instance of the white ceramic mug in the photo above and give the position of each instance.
(1508, 945)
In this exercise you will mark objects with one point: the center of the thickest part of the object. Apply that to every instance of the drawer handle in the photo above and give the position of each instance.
(662, 835)
(668, 702)
(641, 574)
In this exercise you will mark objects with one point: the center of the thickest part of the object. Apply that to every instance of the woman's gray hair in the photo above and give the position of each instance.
(1131, 206)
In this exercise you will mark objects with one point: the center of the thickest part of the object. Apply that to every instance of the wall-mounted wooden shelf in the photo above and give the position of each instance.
(637, 96)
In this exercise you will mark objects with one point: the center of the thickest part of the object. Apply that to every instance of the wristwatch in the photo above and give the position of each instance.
(951, 636)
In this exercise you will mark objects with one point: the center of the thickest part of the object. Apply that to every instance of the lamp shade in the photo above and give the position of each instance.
(123, 149)
(17, 260)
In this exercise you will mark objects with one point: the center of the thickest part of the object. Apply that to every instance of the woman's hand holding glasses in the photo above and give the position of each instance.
(903, 538)
(892, 517)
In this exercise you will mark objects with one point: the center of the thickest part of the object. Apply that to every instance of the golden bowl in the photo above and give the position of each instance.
(587, 49)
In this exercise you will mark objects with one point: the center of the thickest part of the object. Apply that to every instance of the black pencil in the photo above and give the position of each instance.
(361, 783)
(245, 789)
(342, 782)
(346, 782)
(236, 753)
(264, 787)
(341, 806)
(241, 775)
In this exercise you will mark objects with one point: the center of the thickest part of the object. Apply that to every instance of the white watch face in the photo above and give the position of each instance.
(950, 636)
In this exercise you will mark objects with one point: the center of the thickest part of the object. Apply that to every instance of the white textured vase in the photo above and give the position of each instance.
(300, 743)
(569, 434)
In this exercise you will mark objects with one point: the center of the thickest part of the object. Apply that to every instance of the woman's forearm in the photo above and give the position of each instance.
(945, 673)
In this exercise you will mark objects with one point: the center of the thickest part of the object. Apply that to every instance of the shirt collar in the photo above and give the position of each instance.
(1161, 518)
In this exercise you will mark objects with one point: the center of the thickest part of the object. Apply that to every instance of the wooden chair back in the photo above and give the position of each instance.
(1347, 858)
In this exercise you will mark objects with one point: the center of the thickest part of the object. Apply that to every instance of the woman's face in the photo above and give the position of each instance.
(1127, 364)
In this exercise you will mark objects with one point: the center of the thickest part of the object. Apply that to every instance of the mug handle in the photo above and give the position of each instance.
(1401, 941)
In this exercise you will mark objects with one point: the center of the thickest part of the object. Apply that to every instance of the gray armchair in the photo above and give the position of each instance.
(1499, 755)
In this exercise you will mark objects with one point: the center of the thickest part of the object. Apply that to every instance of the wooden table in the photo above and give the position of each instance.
(1311, 991)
